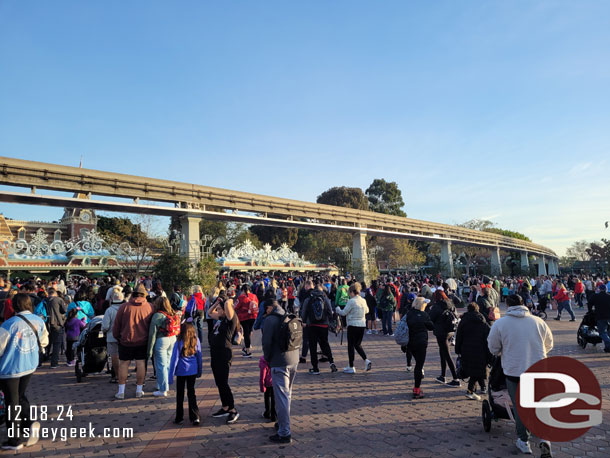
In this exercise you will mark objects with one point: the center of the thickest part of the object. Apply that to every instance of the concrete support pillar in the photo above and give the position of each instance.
(525, 263)
(446, 259)
(496, 262)
(553, 267)
(360, 259)
(541, 265)
(189, 238)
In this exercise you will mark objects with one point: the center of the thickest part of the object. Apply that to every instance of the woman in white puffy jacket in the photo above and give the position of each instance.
(355, 312)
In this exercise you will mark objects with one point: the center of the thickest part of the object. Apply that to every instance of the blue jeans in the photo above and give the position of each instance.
(163, 355)
(386, 321)
(522, 432)
(565, 305)
(602, 328)
(283, 378)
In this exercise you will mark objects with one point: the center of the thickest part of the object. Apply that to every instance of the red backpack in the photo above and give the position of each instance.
(171, 327)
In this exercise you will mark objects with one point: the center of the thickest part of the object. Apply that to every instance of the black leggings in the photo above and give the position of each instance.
(418, 351)
(354, 341)
(189, 380)
(270, 403)
(14, 395)
(473, 380)
(221, 364)
(70, 350)
(446, 360)
(247, 327)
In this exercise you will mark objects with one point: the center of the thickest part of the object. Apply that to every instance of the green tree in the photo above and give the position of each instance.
(173, 270)
(275, 236)
(578, 251)
(385, 197)
(342, 196)
(599, 251)
(205, 273)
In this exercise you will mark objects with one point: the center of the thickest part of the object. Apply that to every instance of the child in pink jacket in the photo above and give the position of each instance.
(267, 388)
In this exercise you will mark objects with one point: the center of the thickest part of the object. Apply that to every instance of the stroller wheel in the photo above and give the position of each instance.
(543, 315)
(582, 342)
(486, 416)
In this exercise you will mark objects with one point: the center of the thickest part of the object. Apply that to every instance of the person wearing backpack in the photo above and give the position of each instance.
(195, 310)
(355, 315)
(316, 313)
(471, 346)
(444, 317)
(85, 309)
(221, 352)
(418, 323)
(164, 327)
(283, 363)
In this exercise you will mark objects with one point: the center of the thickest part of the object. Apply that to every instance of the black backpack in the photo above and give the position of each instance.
(291, 332)
(316, 305)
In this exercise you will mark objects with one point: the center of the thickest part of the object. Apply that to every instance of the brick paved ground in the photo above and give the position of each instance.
(366, 414)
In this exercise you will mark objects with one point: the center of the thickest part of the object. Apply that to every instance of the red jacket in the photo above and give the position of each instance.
(562, 296)
(242, 307)
(579, 287)
(199, 300)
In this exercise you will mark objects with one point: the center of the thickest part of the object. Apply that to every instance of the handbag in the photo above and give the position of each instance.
(459, 369)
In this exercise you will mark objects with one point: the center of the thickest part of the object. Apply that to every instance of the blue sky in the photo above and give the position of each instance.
(483, 109)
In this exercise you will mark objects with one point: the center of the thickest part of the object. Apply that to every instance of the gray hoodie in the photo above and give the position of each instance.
(521, 339)
(271, 341)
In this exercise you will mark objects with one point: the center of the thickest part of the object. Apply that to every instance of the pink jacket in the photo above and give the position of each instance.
(264, 375)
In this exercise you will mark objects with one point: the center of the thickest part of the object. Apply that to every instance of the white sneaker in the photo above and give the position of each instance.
(349, 370)
(367, 365)
(524, 447)
(139, 394)
(160, 394)
(34, 434)
(369, 332)
(120, 396)
(473, 396)
(409, 368)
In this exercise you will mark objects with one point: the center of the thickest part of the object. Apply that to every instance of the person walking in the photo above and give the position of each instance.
(387, 305)
(56, 309)
(283, 369)
(316, 313)
(419, 323)
(355, 315)
(112, 345)
(522, 339)
(186, 365)
(130, 328)
(164, 327)
(221, 351)
(444, 317)
(471, 346)
(246, 308)
(563, 302)
(22, 340)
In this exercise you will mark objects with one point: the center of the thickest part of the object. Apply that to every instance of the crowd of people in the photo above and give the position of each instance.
(142, 322)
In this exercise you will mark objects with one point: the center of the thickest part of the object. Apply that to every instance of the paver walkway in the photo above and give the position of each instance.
(366, 414)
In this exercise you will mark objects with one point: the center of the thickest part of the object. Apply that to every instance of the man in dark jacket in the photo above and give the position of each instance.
(304, 294)
(318, 328)
(471, 345)
(484, 301)
(283, 369)
(56, 310)
(419, 324)
(601, 303)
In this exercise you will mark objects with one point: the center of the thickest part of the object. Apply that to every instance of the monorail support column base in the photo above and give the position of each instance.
(360, 261)
(496, 262)
(190, 245)
(447, 259)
